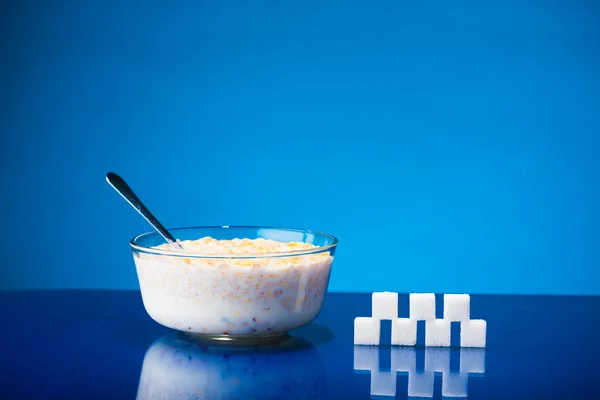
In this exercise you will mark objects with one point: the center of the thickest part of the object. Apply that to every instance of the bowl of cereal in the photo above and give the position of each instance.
(234, 283)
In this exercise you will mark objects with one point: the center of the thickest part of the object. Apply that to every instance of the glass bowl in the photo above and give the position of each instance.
(234, 296)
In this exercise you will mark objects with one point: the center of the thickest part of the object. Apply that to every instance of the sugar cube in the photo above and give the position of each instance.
(422, 306)
(454, 385)
(420, 384)
(366, 358)
(457, 307)
(404, 332)
(384, 305)
(437, 359)
(472, 361)
(404, 359)
(383, 383)
(366, 331)
(473, 333)
(437, 333)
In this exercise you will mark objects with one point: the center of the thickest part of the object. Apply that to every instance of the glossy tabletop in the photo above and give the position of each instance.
(102, 344)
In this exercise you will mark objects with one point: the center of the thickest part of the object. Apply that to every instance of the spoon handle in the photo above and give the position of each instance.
(124, 190)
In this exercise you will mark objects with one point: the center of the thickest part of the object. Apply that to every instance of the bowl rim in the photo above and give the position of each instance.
(295, 253)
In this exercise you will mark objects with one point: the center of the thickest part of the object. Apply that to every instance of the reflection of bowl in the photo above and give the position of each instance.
(234, 295)
(176, 367)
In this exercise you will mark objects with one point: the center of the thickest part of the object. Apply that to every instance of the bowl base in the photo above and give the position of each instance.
(240, 340)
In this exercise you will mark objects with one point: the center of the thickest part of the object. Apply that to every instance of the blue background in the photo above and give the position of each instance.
(451, 146)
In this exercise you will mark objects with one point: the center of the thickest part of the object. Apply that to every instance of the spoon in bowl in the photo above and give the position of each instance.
(125, 191)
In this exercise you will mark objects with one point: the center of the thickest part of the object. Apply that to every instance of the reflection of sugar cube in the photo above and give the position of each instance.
(404, 359)
(366, 331)
(473, 333)
(383, 383)
(420, 384)
(472, 360)
(366, 358)
(384, 305)
(454, 385)
(437, 333)
(404, 332)
(437, 360)
(457, 307)
(422, 306)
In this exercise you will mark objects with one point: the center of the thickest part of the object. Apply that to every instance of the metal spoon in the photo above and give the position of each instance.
(124, 190)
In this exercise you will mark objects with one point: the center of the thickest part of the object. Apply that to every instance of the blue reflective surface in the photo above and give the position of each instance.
(101, 344)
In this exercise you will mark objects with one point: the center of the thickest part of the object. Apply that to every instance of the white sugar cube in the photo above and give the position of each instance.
(454, 385)
(472, 361)
(422, 306)
(383, 383)
(437, 333)
(473, 333)
(437, 360)
(366, 358)
(404, 332)
(366, 331)
(420, 384)
(457, 307)
(404, 359)
(384, 305)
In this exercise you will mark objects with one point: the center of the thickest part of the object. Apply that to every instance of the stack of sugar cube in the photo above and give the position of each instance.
(457, 308)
